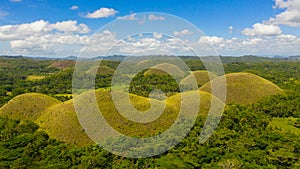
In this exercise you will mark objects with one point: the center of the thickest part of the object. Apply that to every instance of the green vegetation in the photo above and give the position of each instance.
(260, 126)
(142, 85)
(289, 125)
(245, 88)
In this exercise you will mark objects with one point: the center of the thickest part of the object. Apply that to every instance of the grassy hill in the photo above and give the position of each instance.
(205, 102)
(201, 76)
(159, 70)
(60, 121)
(28, 106)
(101, 70)
(245, 88)
(62, 64)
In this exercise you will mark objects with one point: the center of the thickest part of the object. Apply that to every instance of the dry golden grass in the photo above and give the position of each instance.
(28, 106)
(161, 69)
(60, 121)
(34, 77)
(201, 76)
(205, 101)
(245, 88)
(101, 70)
(62, 64)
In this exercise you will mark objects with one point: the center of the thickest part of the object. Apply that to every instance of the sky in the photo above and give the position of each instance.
(60, 28)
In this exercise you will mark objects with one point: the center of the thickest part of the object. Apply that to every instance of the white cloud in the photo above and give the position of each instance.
(48, 44)
(153, 17)
(183, 32)
(230, 29)
(15, 0)
(42, 37)
(70, 26)
(282, 44)
(74, 7)
(291, 14)
(102, 13)
(157, 35)
(41, 27)
(260, 29)
(130, 17)
(154, 46)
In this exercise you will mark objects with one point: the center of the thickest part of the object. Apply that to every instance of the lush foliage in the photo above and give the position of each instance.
(264, 134)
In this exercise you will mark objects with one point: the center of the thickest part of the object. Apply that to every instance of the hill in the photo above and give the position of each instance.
(206, 99)
(161, 69)
(245, 88)
(62, 64)
(60, 121)
(201, 76)
(28, 106)
(101, 70)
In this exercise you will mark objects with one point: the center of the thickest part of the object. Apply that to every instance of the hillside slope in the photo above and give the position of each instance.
(245, 88)
(28, 106)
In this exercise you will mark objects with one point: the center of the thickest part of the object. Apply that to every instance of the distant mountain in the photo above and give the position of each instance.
(295, 58)
(113, 58)
(225, 59)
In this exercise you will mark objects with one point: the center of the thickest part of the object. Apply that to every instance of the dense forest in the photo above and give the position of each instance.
(264, 134)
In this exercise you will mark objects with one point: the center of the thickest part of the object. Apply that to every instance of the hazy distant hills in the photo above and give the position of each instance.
(225, 59)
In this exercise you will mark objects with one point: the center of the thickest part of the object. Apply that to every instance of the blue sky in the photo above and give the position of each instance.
(245, 24)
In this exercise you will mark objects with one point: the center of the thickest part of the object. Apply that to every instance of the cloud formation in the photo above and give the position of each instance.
(43, 37)
(260, 29)
(291, 14)
(101, 13)
(183, 32)
(153, 17)
(130, 17)
(74, 7)
(41, 27)
(15, 0)
(283, 44)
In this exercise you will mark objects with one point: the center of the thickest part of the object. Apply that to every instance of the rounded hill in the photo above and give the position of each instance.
(60, 121)
(29, 106)
(244, 88)
(62, 64)
(101, 70)
(165, 69)
(207, 102)
(201, 77)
